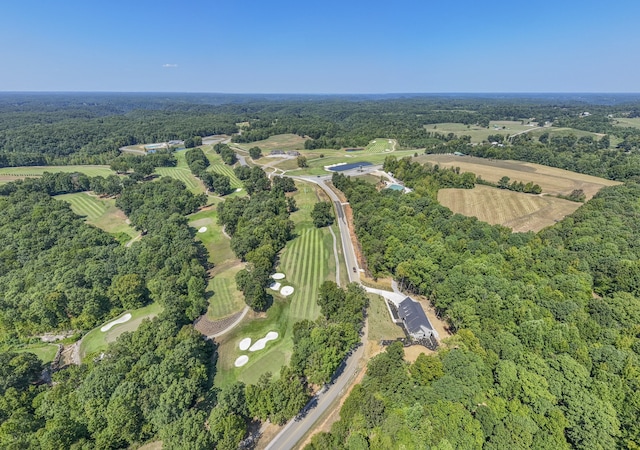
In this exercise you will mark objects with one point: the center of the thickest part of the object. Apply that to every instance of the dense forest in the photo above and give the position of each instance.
(546, 350)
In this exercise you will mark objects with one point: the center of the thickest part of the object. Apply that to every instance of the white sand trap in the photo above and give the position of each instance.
(202, 230)
(278, 276)
(245, 343)
(286, 291)
(122, 319)
(260, 343)
(241, 361)
(238, 189)
(275, 286)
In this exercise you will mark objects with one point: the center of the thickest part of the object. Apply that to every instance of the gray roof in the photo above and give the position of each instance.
(413, 316)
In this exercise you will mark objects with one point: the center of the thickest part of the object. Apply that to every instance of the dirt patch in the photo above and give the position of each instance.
(269, 431)
(412, 353)
(209, 328)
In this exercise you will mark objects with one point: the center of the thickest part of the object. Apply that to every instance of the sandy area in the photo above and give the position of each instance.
(275, 286)
(286, 291)
(241, 361)
(245, 343)
(278, 276)
(202, 230)
(261, 343)
(122, 319)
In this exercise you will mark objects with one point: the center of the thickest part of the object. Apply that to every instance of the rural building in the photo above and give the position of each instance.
(458, 154)
(277, 152)
(415, 321)
(293, 153)
(175, 142)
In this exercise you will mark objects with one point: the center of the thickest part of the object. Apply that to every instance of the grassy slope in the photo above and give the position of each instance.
(46, 352)
(96, 340)
(380, 324)
(34, 171)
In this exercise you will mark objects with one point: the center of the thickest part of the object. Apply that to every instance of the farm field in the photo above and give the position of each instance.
(17, 173)
(518, 211)
(306, 261)
(279, 142)
(552, 180)
(97, 340)
(100, 212)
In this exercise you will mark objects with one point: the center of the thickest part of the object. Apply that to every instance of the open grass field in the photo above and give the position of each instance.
(228, 171)
(226, 299)
(381, 145)
(96, 340)
(552, 180)
(480, 134)
(16, 173)
(518, 211)
(100, 212)
(183, 174)
(277, 142)
(633, 122)
(46, 352)
(380, 324)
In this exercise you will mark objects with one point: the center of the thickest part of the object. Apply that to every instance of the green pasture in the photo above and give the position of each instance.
(279, 142)
(307, 261)
(37, 171)
(45, 352)
(633, 122)
(480, 134)
(100, 212)
(380, 145)
(226, 299)
(96, 340)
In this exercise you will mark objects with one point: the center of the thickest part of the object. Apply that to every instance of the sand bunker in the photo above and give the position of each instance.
(202, 230)
(278, 276)
(238, 189)
(241, 361)
(260, 343)
(122, 319)
(275, 286)
(287, 290)
(245, 343)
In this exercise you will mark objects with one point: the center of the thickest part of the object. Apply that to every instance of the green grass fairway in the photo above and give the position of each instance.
(226, 298)
(101, 212)
(306, 261)
(46, 352)
(96, 340)
(380, 145)
(183, 174)
(276, 353)
(217, 244)
(228, 171)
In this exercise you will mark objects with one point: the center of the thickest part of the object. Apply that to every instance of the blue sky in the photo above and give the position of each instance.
(313, 46)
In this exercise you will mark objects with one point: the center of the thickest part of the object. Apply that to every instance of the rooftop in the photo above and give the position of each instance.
(414, 318)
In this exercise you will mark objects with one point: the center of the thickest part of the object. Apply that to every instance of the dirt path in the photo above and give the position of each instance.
(137, 238)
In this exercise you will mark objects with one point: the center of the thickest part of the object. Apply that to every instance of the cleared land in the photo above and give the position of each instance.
(100, 212)
(480, 134)
(633, 122)
(96, 340)
(521, 212)
(277, 142)
(226, 299)
(552, 180)
(16, 173)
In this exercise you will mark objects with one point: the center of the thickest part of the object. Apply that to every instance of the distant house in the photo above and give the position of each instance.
(458, 154)
(175, 142)
(293, 153)
(415, 321)
(277, 152)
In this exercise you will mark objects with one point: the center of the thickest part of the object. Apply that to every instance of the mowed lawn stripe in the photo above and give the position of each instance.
(298, 272)
(228, 171)
(93, 208)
